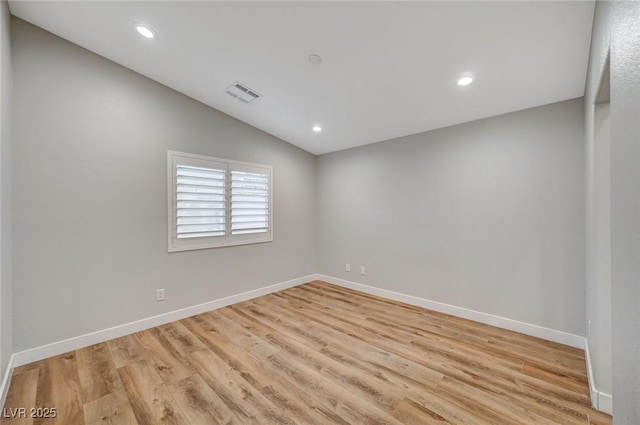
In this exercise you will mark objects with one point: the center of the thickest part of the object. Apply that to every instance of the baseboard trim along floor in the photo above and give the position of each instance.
(316, 353)
(75, 343)
(477, 316)
(6, 380)
(600, 401)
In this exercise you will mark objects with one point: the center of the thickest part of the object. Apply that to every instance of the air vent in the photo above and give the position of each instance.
(242, 93)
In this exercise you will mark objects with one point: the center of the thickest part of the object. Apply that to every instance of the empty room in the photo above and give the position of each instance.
(320, 212)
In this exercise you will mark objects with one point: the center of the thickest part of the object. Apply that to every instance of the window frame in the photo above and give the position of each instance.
(176, 244)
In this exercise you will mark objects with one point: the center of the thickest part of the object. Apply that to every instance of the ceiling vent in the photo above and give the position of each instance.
(242, 93)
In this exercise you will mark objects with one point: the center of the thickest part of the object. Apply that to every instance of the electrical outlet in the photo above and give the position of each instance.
(347, 267)
(363, 270)
(589, 329)
(160, 294)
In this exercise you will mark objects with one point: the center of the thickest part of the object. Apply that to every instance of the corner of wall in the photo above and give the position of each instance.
(599, 400)
(6, 381)
(6, 296)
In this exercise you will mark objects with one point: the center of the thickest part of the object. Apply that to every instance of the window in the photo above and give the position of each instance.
(217, 202)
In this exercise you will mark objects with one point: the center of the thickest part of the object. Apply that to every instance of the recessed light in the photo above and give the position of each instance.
(465, 80)
(145, 31)
(316, 129)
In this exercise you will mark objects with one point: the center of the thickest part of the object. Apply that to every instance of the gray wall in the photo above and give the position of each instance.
(621, 19)
(598, 201)
(600, 314)
(90, 243)
(616, 30)
(6, 328)
(487, 215)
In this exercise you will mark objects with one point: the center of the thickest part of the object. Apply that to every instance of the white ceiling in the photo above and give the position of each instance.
(389, 69)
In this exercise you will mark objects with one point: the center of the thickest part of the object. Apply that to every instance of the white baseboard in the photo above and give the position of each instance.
(592, 388)
(6, 381)
(605, 403)
(477, 316)
(599, 400)
(59, 347)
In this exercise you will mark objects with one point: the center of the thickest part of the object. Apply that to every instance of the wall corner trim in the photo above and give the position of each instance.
(74, 343)
(605, 403)
(553, 335)
(6, 380)
(599, 400)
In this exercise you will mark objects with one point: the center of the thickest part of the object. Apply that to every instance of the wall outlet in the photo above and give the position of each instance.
(363, 270)
(347, 267)
(589, 329)
(160, 294)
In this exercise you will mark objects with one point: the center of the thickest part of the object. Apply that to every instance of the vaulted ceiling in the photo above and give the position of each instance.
(386, 69)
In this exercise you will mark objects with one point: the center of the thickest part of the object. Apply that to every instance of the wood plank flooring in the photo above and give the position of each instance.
(313, 354)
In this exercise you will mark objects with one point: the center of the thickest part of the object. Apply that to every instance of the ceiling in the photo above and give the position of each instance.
(388, 69)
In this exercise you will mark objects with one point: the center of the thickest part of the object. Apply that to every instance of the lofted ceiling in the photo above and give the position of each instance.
(388, 69)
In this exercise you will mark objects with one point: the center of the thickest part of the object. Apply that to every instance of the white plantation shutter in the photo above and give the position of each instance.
(215, 202)
(250, 200)
(201, 202)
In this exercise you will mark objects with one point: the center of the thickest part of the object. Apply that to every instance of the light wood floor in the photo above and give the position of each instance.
(314, 354)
